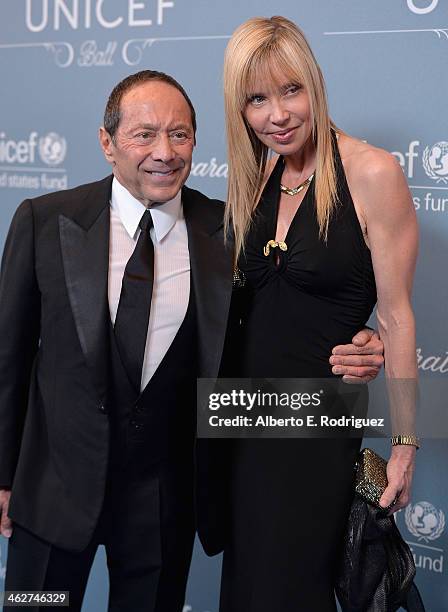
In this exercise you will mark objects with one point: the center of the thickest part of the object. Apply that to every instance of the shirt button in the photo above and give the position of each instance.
(102, 409)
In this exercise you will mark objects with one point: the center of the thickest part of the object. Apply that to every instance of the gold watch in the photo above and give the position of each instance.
(405, 440)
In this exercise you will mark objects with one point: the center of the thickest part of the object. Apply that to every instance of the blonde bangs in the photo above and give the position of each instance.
(271, 65)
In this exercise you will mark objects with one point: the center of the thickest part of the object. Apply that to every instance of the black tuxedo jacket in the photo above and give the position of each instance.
(54, 322)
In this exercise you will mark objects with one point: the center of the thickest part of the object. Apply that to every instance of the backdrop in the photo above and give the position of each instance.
(385, 64)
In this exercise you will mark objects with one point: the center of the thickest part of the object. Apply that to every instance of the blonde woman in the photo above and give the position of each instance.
(317, 240)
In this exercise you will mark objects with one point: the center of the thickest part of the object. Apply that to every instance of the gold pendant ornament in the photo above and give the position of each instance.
(272, 244)
(293, 191)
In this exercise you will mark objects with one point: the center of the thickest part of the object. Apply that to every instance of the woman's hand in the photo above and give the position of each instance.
(400, 470)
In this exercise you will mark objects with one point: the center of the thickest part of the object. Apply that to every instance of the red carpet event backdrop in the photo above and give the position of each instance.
(385, 64)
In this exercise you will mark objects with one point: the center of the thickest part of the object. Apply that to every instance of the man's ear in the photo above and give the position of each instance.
(106, 144)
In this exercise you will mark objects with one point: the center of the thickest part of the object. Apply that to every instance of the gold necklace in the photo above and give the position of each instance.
(293, 191)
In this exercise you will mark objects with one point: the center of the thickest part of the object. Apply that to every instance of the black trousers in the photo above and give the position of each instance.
(148, 534)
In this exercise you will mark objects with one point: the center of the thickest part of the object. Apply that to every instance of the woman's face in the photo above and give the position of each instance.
(279, 114)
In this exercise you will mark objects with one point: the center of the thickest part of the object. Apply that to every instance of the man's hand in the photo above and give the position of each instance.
(5, 521)
(361, 361)
(400, 470)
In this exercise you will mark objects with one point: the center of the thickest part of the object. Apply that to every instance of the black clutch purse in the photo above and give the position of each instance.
(377, 568)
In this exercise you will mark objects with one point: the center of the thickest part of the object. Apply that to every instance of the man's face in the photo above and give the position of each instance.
(153, 145)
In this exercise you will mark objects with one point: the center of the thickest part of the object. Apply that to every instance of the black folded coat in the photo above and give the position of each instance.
(377, 570)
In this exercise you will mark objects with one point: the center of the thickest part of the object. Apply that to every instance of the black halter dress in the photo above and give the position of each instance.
(289, 498)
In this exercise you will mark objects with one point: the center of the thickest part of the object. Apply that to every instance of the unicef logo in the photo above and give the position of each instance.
(435, 161)
(52, 149)
(424, 521)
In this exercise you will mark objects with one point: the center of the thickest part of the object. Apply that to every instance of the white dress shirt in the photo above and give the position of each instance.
(171, 289)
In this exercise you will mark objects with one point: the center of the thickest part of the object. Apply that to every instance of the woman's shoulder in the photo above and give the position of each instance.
(375, 178)
(365, 164)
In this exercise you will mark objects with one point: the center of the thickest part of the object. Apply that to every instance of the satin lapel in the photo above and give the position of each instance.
(212, 269)
(84, 239)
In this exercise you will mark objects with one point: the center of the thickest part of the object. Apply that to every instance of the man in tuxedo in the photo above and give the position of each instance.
(114, 297)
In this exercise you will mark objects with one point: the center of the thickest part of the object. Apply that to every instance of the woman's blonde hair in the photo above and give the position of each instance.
(271, 47)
